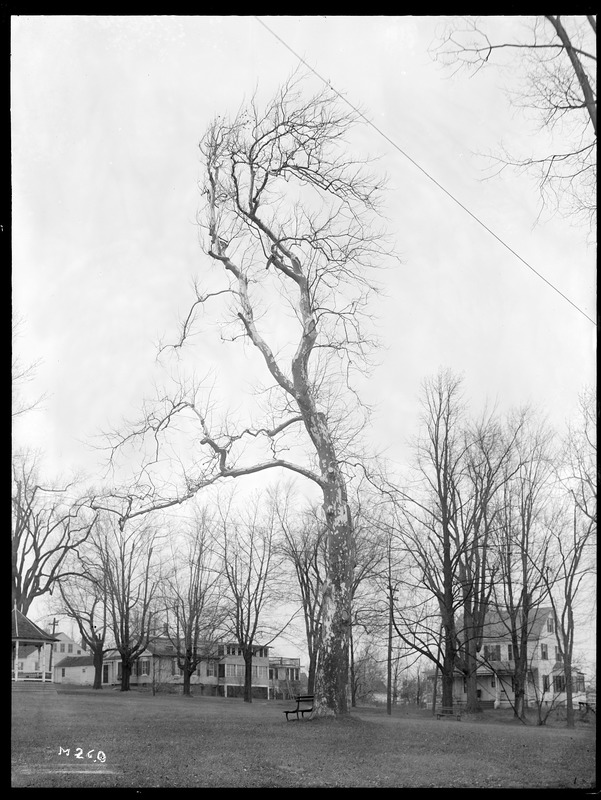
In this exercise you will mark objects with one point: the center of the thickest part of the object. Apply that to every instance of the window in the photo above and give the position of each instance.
(240, 669)
(262, 673)
(492, 652)
(220, 650)
(559, 683)
(510, 652)
(544, 653)
(173, 666)
(20, 665)
(62, 647)
(580, 682)
(119, 670)
(230, 670)
(493, 682)
(36, 666)
(145, 665)
(221, 670)
(546, 683)
(271, 673)
(550, 625)
(55, 648)
(558, 655)
(62, 672)
(211, 669)
(79, 652)
(69, 648)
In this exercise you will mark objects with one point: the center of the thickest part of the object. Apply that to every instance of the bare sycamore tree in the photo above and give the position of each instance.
(251, 565)
(192, 595)
(557, 61)
(289, 226)
(46, 527)
(127, 557)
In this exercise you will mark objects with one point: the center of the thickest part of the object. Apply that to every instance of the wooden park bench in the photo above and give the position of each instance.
(447, 711)
(301, 700)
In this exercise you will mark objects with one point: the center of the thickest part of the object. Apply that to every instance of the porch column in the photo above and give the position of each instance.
(16, 665)
(43, 662)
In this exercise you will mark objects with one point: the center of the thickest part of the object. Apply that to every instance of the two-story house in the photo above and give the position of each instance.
(546, 681)
(220, 672)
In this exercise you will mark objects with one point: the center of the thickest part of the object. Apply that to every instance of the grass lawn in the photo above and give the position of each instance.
(175, 741)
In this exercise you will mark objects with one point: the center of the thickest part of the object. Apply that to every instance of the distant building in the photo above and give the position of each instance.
(221, 671)
(65, 646)
(285, 678)
(78, 669)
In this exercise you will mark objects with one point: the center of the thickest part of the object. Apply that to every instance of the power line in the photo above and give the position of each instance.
(425, 172)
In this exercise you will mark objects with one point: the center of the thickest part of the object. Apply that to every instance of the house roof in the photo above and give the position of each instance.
(498, 623)
(24, 629)
(75, 661)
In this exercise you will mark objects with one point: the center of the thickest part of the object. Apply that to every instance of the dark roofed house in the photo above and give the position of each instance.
(31, 650)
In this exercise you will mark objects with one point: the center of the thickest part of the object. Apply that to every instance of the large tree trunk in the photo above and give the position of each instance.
(98, 659)
(125, 675)
(567, 671)
(312, 671)
(187, 674)
(352, 670)
(333, 676)
(471, 666)
(248, 677)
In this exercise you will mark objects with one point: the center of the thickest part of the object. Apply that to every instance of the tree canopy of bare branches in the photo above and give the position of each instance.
(557, 60)
(47, 527)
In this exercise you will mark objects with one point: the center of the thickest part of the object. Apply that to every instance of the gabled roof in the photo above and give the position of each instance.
(498, 623)
(75, 661)
(25, 630)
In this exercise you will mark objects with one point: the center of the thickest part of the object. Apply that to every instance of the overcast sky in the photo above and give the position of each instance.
(107, 113)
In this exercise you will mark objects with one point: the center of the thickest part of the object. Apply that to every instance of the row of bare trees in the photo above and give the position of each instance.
(494, 516)
(497, 517)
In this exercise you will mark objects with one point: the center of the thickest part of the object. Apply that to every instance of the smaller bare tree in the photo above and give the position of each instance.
(193, 595)
(47, 526)
(251, 562)
(127, 556)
